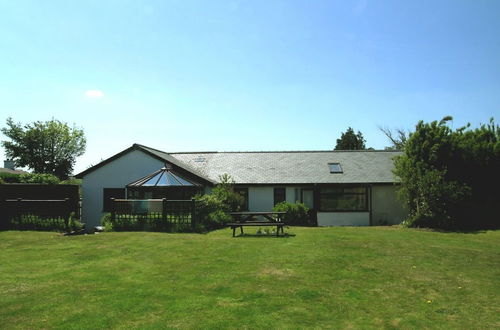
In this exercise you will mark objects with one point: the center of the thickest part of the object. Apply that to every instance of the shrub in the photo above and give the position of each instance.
(106, 222)
(296, 214)
(73, 223)
(9, 178)
(213, 210)
(42, 178)
(34, 222)
(448, 178)
(224, 192)
(73, 181)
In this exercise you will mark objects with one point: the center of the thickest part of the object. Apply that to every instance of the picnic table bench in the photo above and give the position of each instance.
(242, 219)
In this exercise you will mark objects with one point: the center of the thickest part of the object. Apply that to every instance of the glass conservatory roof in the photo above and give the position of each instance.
(163, 178)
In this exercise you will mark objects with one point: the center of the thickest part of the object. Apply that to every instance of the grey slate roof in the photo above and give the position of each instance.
(294, 167)
(280, 167)
(11, 171)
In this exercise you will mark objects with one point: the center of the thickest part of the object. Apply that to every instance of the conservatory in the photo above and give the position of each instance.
(164, 183)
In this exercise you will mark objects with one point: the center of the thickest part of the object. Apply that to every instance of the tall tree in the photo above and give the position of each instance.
(397, 137)
(44, 147)
(351, 141)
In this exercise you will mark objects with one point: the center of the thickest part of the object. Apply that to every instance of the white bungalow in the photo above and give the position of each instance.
(343, 188)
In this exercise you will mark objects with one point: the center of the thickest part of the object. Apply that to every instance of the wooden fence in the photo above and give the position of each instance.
(153, 214)
(32, 191)
(30, 214)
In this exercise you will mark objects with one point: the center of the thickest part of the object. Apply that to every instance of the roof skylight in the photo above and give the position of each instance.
(335, 168)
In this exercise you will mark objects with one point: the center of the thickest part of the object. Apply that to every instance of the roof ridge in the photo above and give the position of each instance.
(276, 152)
(260, 151)
(146, 147)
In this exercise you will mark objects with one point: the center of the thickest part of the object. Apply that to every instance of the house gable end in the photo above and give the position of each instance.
(165, 158)
(106, 161)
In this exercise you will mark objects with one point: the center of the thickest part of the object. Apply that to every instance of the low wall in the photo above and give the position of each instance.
(343, 219)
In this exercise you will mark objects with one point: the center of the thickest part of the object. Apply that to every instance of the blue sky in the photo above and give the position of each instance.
(246, 75)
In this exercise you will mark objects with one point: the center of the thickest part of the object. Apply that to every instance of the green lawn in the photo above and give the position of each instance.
(375, 277)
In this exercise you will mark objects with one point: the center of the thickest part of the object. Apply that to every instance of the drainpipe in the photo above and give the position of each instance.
(371, 205)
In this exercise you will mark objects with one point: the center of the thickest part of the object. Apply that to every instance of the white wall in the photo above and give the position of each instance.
(116, 174)
(386, 207)
(262, 198)
(343, 219)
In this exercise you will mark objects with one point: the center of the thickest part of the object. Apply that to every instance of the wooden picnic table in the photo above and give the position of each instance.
(249, 219)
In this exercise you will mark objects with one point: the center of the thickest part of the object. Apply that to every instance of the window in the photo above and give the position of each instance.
(132, 194)
(343, 199)
(244, 193)
(307, 197)
(335, 168)
(107, 194)
(279, 195)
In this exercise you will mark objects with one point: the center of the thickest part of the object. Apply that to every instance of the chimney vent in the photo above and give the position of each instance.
(8, 164)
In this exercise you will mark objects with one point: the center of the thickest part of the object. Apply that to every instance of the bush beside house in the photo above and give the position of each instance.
(449, 178)
(296, 214)
(213, 209)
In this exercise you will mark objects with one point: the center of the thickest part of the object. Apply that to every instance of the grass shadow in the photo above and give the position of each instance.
(453, 231)
(245, 235)
(463, 231)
